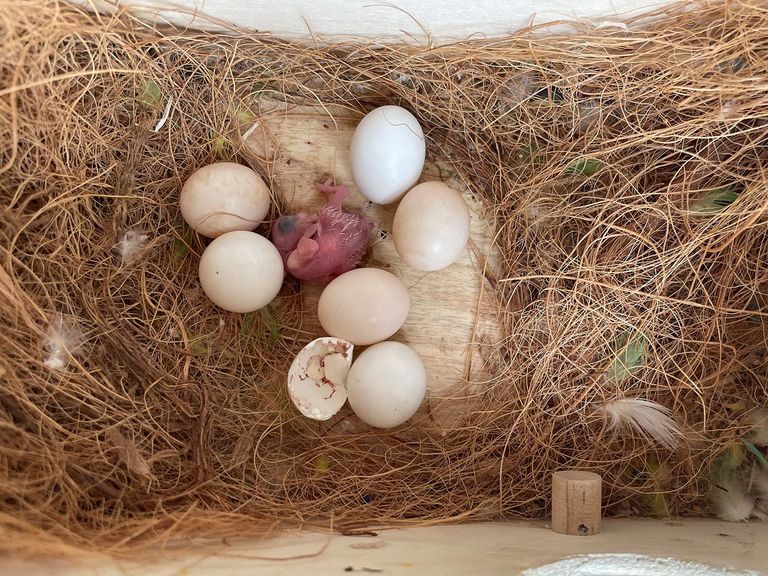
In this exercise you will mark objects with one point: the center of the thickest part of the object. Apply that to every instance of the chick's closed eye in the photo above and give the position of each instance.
(286, 224)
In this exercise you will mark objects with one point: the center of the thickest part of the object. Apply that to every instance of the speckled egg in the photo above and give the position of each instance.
(241, 271)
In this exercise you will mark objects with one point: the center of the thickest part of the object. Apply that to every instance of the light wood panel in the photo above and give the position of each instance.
(502, 548)
(420, 21)
(451, 312)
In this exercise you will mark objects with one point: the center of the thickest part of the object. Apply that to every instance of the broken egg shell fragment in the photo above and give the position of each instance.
(318, 376)
(336, 367)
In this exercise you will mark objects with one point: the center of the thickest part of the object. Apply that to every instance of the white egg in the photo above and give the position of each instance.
(318, 376)
(431, 226)
(386, 384)
(364, 306)
(387, 153)
(224, 197)
(241, 271)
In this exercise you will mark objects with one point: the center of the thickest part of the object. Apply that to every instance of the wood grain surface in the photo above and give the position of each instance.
(451, 312)
(488, 549)
(576, 502)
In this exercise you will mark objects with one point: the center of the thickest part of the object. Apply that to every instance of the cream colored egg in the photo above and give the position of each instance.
(364, 306)
(241, 271)
(386, 384)
(431, 226)
(224, 197)
(318, 376)
(387, 153)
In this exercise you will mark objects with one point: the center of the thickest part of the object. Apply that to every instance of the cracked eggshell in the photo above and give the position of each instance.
(318, 376)
(387, 153)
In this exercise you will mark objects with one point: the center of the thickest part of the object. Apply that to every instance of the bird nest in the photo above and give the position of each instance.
(621, 172)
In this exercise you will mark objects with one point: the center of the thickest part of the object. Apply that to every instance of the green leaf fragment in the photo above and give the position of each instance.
(735, 65)
(198, 348)
(714, 200)
(252, 323)
(531, 153)
(258, 90)
(246, 326)
(180, 248)
(725, 473)
(271, 323)
(659, 471)
(739, 64)
(322, 463)
(658, 503)
(150, 95)
(726, 467)
(733, 458)
(629, 358)
(181, 245)
(584, 166)
(245, 115)
(754, 306)
(221, 146)
(756, 453)
(738, 406)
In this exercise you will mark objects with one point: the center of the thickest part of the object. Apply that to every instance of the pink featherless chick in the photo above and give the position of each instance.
(322, 246)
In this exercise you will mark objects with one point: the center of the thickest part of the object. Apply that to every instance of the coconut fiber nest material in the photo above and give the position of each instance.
(623, 169)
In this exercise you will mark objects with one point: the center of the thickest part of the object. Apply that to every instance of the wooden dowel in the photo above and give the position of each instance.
(576, 498)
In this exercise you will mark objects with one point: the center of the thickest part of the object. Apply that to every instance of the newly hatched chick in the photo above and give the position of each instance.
(322, 246)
